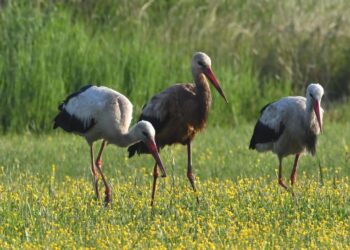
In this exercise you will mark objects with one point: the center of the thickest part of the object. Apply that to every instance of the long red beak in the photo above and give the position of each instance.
(317, 112)
(154, 151)
(208, 73)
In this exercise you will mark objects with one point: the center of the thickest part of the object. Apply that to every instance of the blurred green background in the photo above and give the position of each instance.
(260, 50)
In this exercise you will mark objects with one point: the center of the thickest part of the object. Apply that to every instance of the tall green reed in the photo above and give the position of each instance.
(260, 51)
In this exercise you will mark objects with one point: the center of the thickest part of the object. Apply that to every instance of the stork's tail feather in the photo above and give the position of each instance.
(253, 140)
(252, 143)
(139, 147)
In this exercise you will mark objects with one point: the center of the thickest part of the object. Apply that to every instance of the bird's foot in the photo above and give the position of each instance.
(97, 195)
(108, 197)
(293, 180)
(190, 177)
(281, 183)
(197, 199)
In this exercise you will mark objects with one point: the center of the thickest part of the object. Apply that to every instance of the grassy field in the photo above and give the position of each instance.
(48, 201)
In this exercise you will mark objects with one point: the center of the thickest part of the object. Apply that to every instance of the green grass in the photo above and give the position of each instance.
(260, 52)
(47, 196)
(219, 152)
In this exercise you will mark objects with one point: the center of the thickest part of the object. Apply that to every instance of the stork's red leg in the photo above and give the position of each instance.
(93, 171)
(99, 156)
(107, 189)
(98, 163)
(99, 168)
(280, 178)
(293, 176)
(155, 176)
(189, 168)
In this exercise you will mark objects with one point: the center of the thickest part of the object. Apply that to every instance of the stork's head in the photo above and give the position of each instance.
(146, 133)
(314, 94)
(201, 63)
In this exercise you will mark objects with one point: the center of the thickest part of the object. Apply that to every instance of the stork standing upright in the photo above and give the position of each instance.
(102, 113)
(179, 112)
(290, 126)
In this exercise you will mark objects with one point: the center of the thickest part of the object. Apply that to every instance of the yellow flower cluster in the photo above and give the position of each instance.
(245, 213)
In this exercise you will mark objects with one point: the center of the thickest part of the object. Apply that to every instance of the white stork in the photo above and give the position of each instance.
(179, 112)
(102, 113)
(290, 126)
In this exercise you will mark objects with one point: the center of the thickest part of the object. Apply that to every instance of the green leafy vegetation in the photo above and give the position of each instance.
(260, 51)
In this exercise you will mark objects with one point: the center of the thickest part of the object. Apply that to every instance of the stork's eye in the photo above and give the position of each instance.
(145, 134)
(311, 95)
(201, 63)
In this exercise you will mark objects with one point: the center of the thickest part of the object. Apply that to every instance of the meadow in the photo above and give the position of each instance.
(260, 50)
(48, 200)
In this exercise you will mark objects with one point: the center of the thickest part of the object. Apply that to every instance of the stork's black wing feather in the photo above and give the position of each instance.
(263, 134)
(70, 123)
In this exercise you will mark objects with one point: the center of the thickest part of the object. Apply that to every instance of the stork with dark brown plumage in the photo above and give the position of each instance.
(179, 112)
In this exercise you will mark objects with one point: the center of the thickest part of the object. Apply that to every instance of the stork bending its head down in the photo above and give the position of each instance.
(102, 113)
(290, 126)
